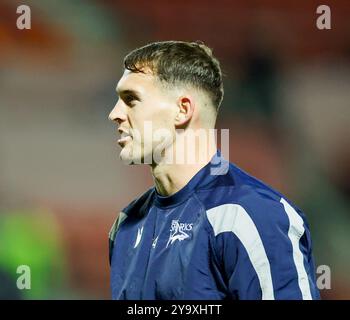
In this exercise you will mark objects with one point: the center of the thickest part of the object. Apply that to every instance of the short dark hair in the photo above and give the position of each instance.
(180, 62)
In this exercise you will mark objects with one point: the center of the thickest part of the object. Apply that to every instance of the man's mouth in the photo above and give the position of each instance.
(124, 138)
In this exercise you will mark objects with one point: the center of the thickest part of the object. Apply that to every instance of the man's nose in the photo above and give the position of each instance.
(117, 114)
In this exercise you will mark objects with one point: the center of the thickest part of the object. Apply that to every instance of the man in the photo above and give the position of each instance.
(199, 233)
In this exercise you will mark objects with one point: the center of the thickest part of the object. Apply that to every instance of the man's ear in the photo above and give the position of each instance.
(185, 111)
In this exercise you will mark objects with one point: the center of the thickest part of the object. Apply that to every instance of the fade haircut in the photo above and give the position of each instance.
(180, 63)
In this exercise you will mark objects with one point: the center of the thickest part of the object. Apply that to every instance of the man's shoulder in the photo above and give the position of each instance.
(139, 205)
(238, 191)
(135, 209)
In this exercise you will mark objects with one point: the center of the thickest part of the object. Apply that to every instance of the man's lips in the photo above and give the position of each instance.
(123, 140)
(124, 137)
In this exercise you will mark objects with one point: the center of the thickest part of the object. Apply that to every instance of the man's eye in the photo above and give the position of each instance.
(129, 99)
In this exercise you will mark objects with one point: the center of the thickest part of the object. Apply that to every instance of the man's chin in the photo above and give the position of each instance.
(125, 156)
(128, 157)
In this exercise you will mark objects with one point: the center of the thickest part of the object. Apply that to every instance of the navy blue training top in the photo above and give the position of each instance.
(225, 235)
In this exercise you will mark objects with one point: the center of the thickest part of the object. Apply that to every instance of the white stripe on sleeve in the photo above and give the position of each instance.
(234, 218)
(295, 232)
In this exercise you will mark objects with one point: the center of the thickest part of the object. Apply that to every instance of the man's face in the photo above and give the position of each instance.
(142, 102)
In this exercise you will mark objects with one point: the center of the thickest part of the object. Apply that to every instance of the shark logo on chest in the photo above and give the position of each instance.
(179, 231)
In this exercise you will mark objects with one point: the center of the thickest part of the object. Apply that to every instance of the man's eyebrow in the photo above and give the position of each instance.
(128, 92)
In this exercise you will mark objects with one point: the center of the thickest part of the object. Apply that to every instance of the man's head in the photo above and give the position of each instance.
(167, 86)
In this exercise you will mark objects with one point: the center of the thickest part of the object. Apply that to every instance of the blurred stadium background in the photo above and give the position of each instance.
(287, 105)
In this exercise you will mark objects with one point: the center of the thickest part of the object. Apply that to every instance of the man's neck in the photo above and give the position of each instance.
(170, 178)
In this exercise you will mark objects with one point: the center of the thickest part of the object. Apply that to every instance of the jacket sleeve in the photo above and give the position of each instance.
(264, 250)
